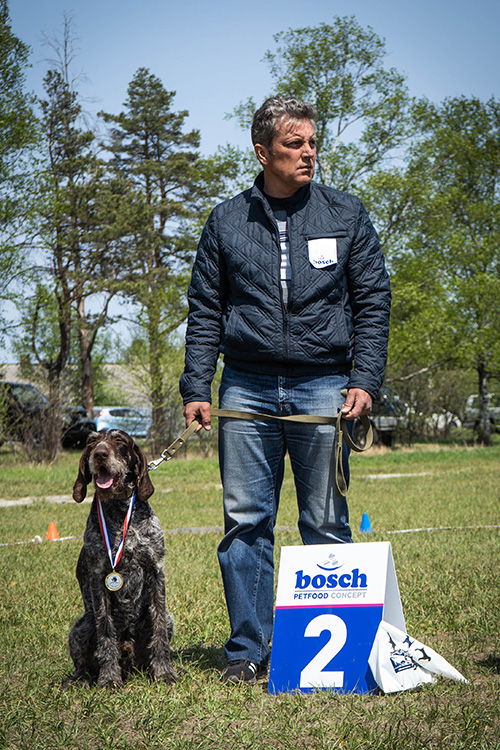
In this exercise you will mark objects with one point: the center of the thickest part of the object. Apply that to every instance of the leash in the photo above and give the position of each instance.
(341, 434)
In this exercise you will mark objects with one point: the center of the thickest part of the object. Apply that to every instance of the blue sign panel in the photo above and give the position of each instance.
(323, 648)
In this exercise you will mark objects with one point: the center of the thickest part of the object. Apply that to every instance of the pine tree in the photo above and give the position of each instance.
(17, 136)
(155, 161)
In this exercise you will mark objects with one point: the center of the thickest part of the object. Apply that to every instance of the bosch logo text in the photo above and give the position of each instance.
(331, 586)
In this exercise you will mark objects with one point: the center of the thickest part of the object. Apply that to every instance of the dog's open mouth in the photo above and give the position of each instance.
(104, 480)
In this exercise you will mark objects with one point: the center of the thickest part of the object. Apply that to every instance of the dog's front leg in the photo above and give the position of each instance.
(162, 630)
(108, 651)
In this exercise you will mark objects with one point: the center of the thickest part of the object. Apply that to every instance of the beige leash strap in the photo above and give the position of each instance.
(341, 434)
(256, 416)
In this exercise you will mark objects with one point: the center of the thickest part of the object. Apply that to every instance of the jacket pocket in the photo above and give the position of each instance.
(322, 249)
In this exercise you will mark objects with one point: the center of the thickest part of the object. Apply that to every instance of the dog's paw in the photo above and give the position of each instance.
(109, 682)
(166, 676)
(77, 679)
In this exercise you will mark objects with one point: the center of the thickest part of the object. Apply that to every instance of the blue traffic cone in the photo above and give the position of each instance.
(365, 527)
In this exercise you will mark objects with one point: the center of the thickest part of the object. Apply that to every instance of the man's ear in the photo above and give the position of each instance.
(262, 153)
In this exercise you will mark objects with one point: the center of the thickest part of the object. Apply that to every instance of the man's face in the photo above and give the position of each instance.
(289, 162)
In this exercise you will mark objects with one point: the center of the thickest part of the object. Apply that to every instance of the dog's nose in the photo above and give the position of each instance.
(101, 451)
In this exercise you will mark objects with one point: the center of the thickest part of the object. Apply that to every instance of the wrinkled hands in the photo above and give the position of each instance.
(199, 410)
(358, 403)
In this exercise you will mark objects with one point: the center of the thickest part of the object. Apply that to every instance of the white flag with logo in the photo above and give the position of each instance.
(399, 662)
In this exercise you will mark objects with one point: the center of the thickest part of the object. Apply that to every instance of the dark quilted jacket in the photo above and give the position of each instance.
(337, 316)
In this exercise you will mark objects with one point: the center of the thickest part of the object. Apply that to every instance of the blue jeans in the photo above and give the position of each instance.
(252, 457)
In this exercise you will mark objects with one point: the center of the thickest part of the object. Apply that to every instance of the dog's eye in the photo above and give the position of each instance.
(122, 446)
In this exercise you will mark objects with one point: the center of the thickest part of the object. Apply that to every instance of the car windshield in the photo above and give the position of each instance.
(28, 395)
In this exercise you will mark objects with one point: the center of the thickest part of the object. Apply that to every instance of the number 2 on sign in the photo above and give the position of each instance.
(313, 675)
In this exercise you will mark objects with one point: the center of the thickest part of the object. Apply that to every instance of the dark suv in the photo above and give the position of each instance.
(22, 410)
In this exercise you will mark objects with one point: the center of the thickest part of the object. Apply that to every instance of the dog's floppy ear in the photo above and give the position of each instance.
(144, 484)
(84, 475)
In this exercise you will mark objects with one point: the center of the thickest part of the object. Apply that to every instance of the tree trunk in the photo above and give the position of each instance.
(87, 382)
(484, 424)
(156, 348)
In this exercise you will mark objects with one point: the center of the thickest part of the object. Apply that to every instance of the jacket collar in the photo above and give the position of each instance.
(257, 191)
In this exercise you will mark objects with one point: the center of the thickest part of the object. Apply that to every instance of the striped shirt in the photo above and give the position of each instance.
(285, 267)
(281, 208)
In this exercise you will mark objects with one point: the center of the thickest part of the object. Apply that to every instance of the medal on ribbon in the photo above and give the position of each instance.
(114, 581)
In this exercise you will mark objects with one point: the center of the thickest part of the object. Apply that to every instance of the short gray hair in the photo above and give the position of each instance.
(275, 109)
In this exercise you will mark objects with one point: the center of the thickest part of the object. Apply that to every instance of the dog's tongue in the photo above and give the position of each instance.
(104, 481)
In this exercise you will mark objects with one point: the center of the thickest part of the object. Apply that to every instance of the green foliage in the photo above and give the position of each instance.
(446, 275)
(17, 120)
(130, 226)
(62, 201)
(17, 135)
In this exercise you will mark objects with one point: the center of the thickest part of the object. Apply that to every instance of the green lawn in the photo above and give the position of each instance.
(448, 579)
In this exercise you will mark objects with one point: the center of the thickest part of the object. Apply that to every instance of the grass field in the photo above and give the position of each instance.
(448, 579)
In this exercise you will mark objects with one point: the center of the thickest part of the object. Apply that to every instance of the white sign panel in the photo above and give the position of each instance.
(329, 604)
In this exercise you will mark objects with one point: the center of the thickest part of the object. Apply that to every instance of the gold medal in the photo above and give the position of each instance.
(113, 581)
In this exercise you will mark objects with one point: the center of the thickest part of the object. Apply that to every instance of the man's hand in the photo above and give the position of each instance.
(358, 403)
(199, 410)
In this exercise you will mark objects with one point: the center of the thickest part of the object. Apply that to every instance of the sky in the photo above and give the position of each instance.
(210, 52)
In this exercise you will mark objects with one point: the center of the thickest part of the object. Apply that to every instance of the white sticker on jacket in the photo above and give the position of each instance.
(322, 251)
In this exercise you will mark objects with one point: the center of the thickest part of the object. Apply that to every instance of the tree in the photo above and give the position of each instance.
(155, 161)
(420, 344)
(457, 228)
(361, 106)
(87, 206)
(17, 134)
(73, 257)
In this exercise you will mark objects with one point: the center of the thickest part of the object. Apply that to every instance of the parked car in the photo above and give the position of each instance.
(471, 414)
(124, 418)
(22, 410)
(386, 415)
(443, 421)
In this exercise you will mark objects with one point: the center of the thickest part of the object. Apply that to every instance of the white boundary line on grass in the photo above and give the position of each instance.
(443, 528)
(220, 530)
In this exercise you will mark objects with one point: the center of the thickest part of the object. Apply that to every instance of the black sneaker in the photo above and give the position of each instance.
(242, 671)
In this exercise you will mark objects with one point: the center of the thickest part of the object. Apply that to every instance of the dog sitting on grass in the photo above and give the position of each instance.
(126, 624)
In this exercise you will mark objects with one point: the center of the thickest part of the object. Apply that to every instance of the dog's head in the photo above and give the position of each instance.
(113, 461)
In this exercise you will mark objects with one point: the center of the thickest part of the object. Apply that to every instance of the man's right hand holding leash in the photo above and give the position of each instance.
(199, 410)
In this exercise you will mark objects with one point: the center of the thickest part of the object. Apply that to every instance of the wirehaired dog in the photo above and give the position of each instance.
(126, 624)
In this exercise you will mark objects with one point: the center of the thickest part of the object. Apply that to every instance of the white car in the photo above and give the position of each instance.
(471, 418)
(123, 418)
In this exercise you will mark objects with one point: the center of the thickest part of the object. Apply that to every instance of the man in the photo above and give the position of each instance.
(289, 284)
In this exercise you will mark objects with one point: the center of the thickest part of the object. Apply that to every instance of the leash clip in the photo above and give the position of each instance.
(172, 449)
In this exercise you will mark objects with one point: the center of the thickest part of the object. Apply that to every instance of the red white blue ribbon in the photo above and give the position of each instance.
(105, 535)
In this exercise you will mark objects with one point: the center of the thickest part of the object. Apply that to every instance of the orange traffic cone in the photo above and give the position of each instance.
(52, 532)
